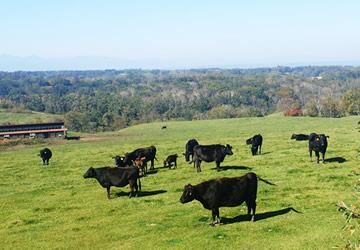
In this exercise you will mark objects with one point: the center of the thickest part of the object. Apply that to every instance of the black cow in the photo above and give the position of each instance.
(148, 152)
(45, 154)
(119, 161)
(225, 192)
(211, 153)
(318, 143)
(256, 143)
(300, 137)
(189, 149)
(171, 159)
(114, 176)
(163, 127)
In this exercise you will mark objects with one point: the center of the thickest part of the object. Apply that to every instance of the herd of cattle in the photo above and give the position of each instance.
(215, 193)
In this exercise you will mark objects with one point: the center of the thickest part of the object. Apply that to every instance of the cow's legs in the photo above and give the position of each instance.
(152, 165)
(251, 204)
(323, 158)
(198, 162)
(317, 156)
(47, 162)
(310, 155)
(215, 213)
(260, 149)
(218, 166)
(108, 192)
(132, 185)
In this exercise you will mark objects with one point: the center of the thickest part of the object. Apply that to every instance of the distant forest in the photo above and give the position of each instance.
(112, 99)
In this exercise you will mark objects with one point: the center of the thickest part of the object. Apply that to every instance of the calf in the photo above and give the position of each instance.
(318, 143)
(114, 176)
(300, 137)
(189, 149)
(256, 142)
(141, 164)
(211, 153)
(45, 154)
(225, 192)
(171, 159)
(148, 152)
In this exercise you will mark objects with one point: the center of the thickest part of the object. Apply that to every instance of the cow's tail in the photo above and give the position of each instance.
(267, 182)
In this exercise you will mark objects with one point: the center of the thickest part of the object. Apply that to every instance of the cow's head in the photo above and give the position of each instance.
(187, 155)
(293, 136)
(228, 150)
(119, 161)
(90, 173)
(188, 194)
(322, 139)
(249, 141)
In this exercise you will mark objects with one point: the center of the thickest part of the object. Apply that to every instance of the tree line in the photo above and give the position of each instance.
(113, 99)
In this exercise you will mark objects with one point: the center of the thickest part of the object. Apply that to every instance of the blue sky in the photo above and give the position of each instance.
(182, 34)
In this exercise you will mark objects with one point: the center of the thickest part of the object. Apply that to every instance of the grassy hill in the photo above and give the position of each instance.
(9, 117)
(46, 207)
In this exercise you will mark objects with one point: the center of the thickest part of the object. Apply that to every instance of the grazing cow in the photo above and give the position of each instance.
(141, 163)
(119, 161)
(45, 154)
(300, 137)
(189, 149)
(163, 127)
(114, 176)
(171, 159)
(318, 143)
(148, 152)
(225, 192)
(211, 153)
(256, 142)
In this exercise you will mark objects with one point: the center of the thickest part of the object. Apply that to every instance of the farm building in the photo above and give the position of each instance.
(36, 130)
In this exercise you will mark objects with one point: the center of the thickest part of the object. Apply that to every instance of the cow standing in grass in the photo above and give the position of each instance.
(45, 155)
(256, 143)
(189, 147)
(209, 153)
(148, 152)
(169, 160)
(225, 192)
(141, 163)
(115, 176)
(318, 144)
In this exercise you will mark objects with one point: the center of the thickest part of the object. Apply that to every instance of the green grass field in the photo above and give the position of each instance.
(53, 207)
(8, 117)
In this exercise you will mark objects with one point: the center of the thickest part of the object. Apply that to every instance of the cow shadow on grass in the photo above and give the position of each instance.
(261, 216)
(336, 159)
(225, 168)
(265, 153)
(142, 193)
(149, 172)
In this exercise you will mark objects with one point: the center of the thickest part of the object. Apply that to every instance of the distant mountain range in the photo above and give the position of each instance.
(34, 63)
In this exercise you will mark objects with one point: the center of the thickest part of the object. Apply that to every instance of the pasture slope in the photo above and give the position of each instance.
(53, 207)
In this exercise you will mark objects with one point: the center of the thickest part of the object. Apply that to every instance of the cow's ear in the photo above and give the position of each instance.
(327, 136)
(317, 138)
(122, 158)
